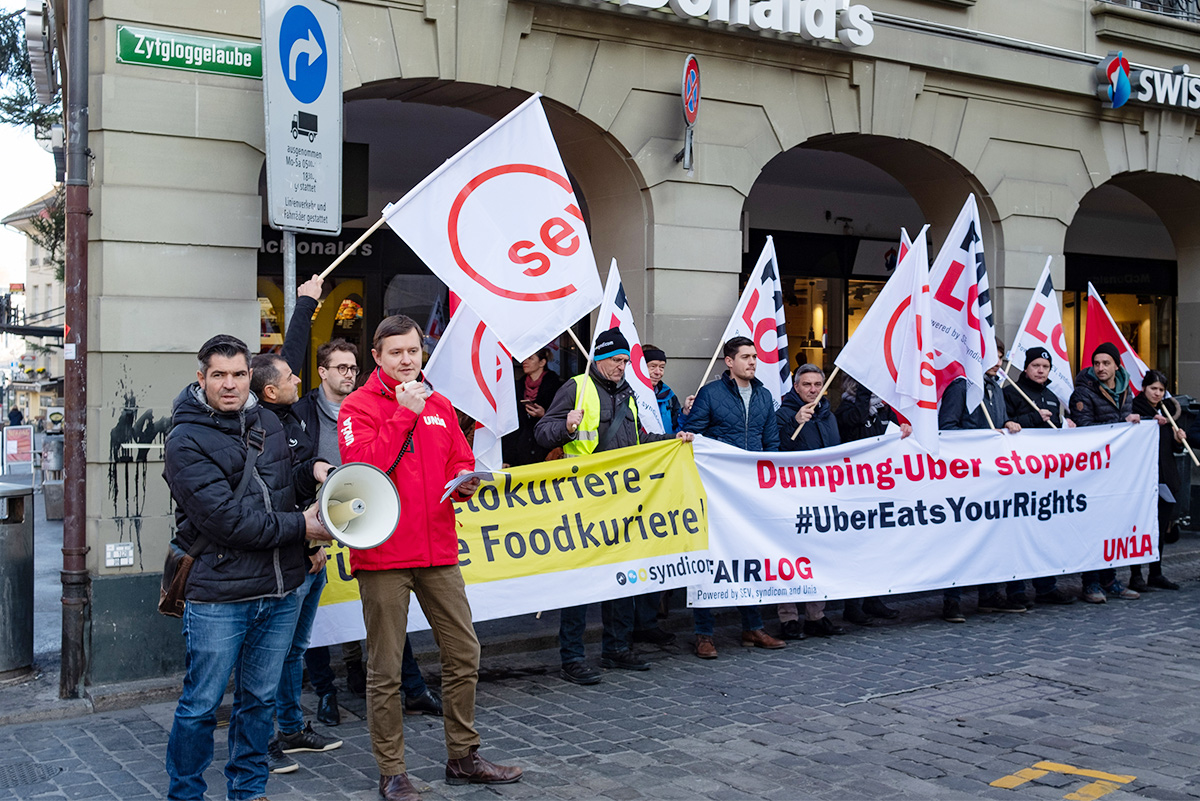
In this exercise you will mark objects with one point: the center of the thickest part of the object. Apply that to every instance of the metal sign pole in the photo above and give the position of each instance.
(288, 248)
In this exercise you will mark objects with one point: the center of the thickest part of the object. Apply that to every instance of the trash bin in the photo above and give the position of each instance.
(16, 580)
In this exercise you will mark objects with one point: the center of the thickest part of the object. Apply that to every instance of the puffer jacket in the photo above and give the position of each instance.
(719, 413)
(821, 431)
(302, 448)
(374, 428)
(1092, 404)
(256, 545)
(1021, 412)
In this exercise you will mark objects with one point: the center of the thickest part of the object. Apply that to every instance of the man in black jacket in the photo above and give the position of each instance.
(248, 543)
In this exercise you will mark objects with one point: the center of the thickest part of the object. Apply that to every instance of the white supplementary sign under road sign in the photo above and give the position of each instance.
(302, 97)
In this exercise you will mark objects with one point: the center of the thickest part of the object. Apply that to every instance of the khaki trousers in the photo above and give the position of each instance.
(443, 598)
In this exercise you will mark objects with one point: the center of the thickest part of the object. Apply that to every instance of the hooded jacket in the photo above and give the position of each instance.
(256, 545)
(718, 412)
(1021, 412)
(374, 428)
(821, 431)
(1093, 404)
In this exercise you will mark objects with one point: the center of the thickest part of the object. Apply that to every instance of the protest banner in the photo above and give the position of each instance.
(561, 533)
(881, 517)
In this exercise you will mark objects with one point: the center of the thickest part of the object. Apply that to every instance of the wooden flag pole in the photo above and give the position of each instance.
(345, 253)
(707, 370)
(987, 414)
(586, 367)
(824, 389)
(1186, 445)
(1028, 399)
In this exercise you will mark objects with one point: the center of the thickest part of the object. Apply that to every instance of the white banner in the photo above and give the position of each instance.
(500, 225)
(880, 517)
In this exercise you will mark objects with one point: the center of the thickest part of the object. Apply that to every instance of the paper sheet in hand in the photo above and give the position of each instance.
(482, 475)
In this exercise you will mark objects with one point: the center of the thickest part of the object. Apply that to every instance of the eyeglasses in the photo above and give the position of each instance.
(344, 369)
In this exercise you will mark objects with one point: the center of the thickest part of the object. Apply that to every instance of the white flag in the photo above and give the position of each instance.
(759, 316)
(472, 369)
(1041, 327)
(500, 224)
(964, 334)
(898, 324)
(615, 313)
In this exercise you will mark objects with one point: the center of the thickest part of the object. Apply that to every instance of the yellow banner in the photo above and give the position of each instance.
(620, 506)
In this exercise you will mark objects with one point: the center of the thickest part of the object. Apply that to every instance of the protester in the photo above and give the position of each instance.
(806, 424)
(1153, 404)
(248, 545)
(862, 414)
(739, 411)
(337, 365)
(1103, 396)
(992, 413)
(536, 386)
(1034, 381)
(397, 423)
(592, 413)
(274, 383)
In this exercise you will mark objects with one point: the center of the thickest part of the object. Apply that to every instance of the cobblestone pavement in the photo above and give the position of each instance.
(917, 709)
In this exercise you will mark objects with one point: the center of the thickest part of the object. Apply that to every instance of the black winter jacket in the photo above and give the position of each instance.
(952, 409)
(821, 431)
(1092, 405)
(1021, 412)
(855, 420)
(718, 413)
(302, 448)
(1168, 471)
(255, 551)
(521, 446)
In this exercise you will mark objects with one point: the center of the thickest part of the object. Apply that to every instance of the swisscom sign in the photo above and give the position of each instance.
(1117, 83)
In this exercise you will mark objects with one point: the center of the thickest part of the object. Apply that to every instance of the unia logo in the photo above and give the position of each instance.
(347, 432)
(1115, 80)
(433, 420)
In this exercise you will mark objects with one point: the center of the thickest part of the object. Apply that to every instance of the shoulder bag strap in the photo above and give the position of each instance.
(255, 441)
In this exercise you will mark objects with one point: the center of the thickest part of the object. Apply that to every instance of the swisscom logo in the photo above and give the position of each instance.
(1116, 85)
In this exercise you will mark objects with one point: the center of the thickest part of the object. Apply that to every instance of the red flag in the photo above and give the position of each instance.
(1100, 329)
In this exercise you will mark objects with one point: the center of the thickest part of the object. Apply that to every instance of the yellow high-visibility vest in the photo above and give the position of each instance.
(587, 437)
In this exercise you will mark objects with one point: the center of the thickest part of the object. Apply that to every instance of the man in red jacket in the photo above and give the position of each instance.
(396, 422)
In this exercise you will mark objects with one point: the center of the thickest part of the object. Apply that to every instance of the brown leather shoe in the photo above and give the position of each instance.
(474, 769)
(705, 648)
(398, 788)
(760, 639)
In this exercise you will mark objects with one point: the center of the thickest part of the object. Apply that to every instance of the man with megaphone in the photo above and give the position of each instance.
(398, 424)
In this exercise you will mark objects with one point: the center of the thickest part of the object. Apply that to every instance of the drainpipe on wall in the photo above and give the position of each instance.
(76, 583)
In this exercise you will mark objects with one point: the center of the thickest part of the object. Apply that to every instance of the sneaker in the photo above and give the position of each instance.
(307, 740)
(623, 660)
(1056, 597)
(824, 627)
(704, 647)
(791, 630)
(1093, 594)
(579, 673)
(1162, 582)
(279, 762)
(995, 603)
(427, 703)
(952, 612)
(1119, 590)
(654, 636)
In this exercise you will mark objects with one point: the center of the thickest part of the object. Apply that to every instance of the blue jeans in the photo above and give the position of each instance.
(617, 616)
(320, 673)
(287, 699)
(751, 619)
(251, 640)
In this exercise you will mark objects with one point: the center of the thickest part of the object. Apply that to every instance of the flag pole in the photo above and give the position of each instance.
(987, 415)
(1186, 445)
(1028, 399)
(586, 367)
(824, 389)
(345, 253)
(711, 362)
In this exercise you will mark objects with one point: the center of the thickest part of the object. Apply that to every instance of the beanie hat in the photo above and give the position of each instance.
(1036, 353)
(654, 355)
(1110, 349)
(611, 343)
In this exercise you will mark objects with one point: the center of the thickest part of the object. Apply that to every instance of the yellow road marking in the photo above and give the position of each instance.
(1105, 782)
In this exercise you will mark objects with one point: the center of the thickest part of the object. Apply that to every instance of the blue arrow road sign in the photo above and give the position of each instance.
(302, 54)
